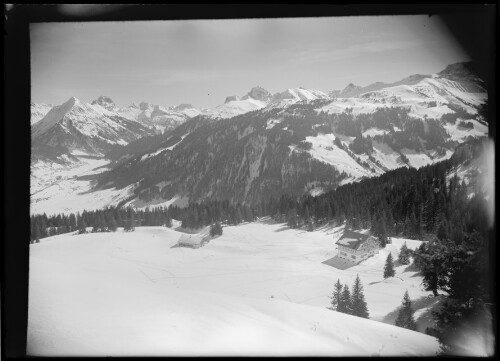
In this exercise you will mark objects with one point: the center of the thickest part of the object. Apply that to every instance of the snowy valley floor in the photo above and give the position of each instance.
(259, 289)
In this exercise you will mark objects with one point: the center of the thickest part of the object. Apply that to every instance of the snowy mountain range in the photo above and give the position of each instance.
(260, 144)
(78, 126)
(38, 111)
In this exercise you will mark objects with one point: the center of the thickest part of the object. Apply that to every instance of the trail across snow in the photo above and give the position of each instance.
(259, 289)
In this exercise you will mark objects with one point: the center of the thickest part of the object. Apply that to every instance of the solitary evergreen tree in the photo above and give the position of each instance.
(336, 297)
(358, 303)
(404, 255)
(389, 267)
(405, 316)
(345, 301)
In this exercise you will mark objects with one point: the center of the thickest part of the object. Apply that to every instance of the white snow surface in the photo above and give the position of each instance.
(300, 94)
(460, 134)
(417, 97)
(56, 189)
(246, 104)
(259, 289)
(179, 201)
(236, 107)
(38, 111)
(324, 149)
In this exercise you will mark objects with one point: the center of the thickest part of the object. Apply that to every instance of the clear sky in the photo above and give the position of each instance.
(203, 61)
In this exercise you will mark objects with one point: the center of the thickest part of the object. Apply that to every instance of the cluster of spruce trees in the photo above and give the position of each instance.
(216, 230)
(403, 202)
(103, 220)
(197, 215)
(352, 303)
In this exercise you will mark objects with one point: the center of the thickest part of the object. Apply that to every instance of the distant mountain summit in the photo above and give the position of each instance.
(38, 111)
(350, 90)
(258, 93)
(182, 107)
(464, 74)
(75, 125)
(105, 102)
(231, 98)
(299, 94)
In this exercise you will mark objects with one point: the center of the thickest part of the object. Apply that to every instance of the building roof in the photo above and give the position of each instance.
(190, 239)
(353, 239)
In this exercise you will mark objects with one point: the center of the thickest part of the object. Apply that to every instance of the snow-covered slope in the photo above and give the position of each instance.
(76, 125)
(256, 98)
(253, 291)
(105, 102)
(66, 186)
(38, 111)
(160, 117)
(165, 119)
(300, 94)
(259, 98)
(428, 97)
(235, 107)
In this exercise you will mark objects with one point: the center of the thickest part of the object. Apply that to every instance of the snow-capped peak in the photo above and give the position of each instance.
(145, 106)
(300, 94)
(350, 90)
(258, 93)
(105, 102)
(38, 111)
(231, 98)
(54, 116)
(182, 107)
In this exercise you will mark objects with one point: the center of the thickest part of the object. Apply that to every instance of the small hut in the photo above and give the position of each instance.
(191, 240)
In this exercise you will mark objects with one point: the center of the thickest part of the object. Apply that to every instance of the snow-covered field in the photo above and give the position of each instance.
(56, 188)
(259, 289)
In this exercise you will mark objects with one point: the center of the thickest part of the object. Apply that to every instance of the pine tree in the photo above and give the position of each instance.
(168, 220)
(237, 216)
(82, 226)
(345, 301)
(130, 222)
(101, 223)
(358, 303)
(404, 255)
(336, 297)
(292, 218)
(389, 267)
(329, 215)
(215, 229)
(405, 316)
(443, 232)
(112, 226)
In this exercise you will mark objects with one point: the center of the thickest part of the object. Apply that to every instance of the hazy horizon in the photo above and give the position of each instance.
(201, 62)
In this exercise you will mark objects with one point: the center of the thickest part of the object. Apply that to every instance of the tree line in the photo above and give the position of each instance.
(103, 220)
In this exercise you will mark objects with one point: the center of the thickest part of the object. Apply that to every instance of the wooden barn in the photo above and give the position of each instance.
(191, 240)
(356, 247)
